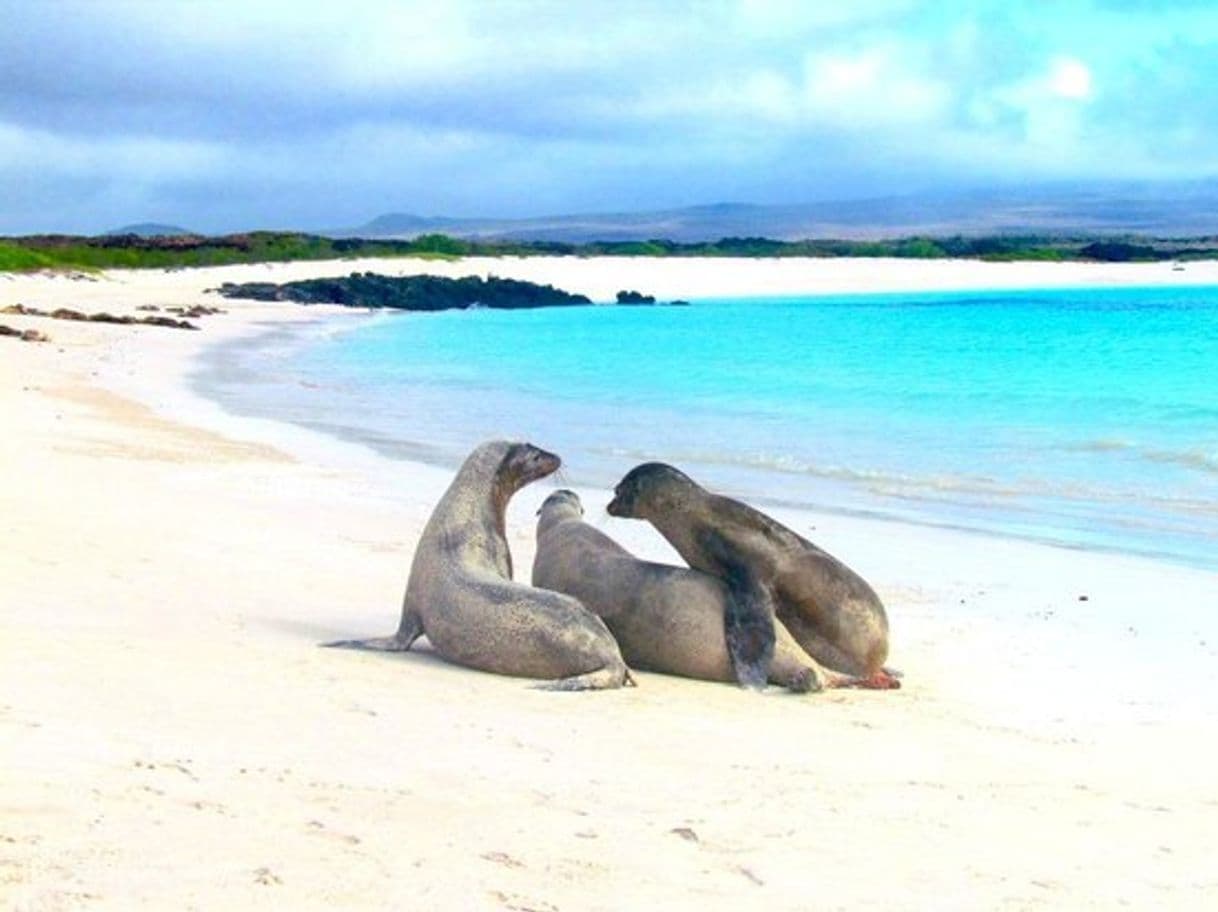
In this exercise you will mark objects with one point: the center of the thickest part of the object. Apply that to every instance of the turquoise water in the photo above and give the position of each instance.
(1087, 418)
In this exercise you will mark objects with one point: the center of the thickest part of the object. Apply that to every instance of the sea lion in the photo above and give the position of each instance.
(773, 572)
(665, 618)
(460, 591)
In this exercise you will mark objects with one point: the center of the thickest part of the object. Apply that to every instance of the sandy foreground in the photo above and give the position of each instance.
(171, 737)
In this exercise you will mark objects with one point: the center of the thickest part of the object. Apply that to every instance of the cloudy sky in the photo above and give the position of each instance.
(227, 115)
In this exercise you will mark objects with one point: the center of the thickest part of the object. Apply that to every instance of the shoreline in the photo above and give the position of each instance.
(173, 567)
(818, 488)
(668, 278)
(411, 452)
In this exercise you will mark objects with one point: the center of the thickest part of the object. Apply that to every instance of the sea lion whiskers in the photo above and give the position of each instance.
(560, 479)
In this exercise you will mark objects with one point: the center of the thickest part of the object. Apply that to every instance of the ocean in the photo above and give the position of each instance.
(1084, 418)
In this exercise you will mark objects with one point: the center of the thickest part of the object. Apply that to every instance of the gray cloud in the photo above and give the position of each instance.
(227, 115)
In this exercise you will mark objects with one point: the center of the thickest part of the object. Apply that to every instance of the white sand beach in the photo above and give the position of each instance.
(171, 737)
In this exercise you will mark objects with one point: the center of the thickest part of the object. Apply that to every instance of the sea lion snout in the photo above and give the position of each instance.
(626, 496)
(650, 483)
(532, 463)
(624, 503)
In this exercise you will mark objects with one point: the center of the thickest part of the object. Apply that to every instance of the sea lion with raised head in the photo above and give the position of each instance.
(665, 618)
(830, 610)
(460, 591)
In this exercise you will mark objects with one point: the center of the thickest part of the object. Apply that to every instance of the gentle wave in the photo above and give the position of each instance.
(789, 465)
(934, 488)
(1102, 445)
(1190, 459)
(902, 485)
(1194, 458)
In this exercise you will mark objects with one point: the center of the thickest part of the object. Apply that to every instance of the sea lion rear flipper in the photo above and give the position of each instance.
(884, 679)
(410, 630)
(378, 644)
(748, 626)
(602, 679)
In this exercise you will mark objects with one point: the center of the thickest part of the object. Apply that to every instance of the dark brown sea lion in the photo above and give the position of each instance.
(461, 595)
(667, 619)
(773, 572)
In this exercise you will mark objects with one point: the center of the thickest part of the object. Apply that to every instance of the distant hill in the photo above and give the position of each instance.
(1175, 209)
(151, 229)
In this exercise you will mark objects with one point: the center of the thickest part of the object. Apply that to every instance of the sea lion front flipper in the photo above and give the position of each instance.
(748, 626)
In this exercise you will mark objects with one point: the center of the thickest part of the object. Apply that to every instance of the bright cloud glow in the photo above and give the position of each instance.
(874, 88)
(1070, 78)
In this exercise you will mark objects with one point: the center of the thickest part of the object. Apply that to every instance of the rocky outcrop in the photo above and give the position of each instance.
(634, 297)
(65, 313)
(25, 335)
(426, 293)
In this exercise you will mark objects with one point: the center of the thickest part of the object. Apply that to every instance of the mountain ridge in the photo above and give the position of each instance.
(150, 229)
(1177, 209)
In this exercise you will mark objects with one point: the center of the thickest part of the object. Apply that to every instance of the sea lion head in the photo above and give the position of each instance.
(562, 506)
(648, 488)
(562, 503)
(507, 467)
(524, 463)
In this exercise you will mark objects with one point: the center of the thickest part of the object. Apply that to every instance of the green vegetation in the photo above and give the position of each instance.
(15, 258)
(129, 251)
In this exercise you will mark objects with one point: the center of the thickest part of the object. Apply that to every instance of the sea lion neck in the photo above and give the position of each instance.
(481, 490)
(669, 509)
(674, 495)
(502, 489)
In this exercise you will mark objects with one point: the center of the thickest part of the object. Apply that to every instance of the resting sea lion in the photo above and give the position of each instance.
(665, 618)
(830, 610)
(461, 595)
